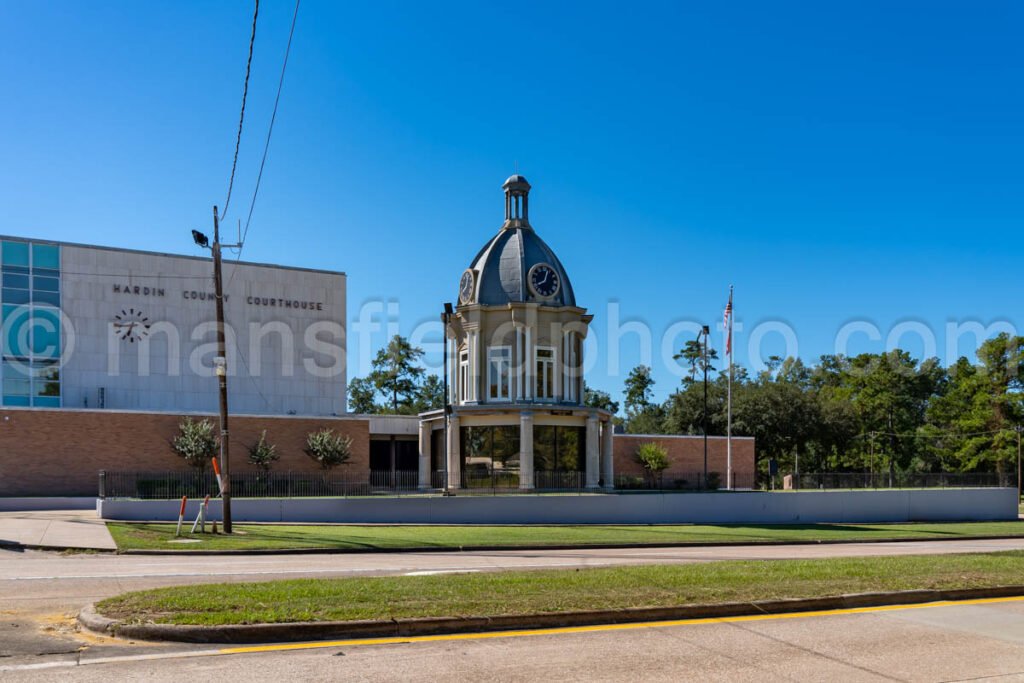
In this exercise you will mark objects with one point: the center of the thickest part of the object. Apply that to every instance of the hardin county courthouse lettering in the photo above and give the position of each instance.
(199, 295)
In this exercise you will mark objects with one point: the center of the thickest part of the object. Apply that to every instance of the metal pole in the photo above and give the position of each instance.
(222, 376)
(446, 317)
(1018, 463)
(705, 330)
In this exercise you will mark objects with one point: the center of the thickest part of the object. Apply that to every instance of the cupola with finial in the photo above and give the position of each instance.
(517, 202)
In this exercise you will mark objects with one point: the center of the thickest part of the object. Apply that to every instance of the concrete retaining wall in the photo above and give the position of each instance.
(799, 507)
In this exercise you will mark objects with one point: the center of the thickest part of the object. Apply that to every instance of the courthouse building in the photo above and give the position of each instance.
(104, 350)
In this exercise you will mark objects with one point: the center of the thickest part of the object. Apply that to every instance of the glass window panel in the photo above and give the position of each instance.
(51, 298)
(14, 296)
(45, 256)
(14, 280)
(19, 270)
(45, 333)
(15, 400)
(543, 448)
(16, 387)
(14, 253)
(47, 284)
(15, 331)
(46, 401)
(17, 369)
(45, 272)
(506, 448)
(570, 441)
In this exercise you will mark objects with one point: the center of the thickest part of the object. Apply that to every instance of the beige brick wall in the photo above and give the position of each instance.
(60, 452)
(686, 457)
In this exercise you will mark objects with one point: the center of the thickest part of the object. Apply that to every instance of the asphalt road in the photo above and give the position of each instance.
(961, 642)
(40, 592)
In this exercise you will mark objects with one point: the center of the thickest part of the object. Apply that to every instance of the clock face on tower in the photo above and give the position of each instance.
(466, 287)
(543, 281)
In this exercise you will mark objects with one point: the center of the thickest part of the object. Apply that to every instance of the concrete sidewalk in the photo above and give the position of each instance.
(55, 529)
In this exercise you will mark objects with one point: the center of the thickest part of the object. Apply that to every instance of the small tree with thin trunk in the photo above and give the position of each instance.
(196, 442)
(263, 454)
(654, 459)
(328, 449)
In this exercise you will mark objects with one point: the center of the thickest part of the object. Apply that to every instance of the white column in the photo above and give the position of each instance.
(520, 364)
(528, 365)
(593, 453)
(425, 432)
(526, 450)
(474, 366)
(607, 453)
(557, 375)
(453, 370)
(454, 455)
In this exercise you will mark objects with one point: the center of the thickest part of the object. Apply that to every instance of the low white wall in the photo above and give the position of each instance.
(797, 507)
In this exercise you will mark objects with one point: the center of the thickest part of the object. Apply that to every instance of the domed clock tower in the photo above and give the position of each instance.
(516, 417)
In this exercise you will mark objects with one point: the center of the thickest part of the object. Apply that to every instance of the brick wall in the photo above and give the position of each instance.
(686, 457)
(60, 452)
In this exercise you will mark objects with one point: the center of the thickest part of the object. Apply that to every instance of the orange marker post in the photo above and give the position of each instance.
(181, 515)
(216, 470)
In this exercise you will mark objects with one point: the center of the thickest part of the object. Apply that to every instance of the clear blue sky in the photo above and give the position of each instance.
(836, 162)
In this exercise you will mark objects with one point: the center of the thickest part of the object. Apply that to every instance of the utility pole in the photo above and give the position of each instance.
(222, 376)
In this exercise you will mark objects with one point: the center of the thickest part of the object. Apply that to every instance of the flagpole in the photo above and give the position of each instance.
(728, 432)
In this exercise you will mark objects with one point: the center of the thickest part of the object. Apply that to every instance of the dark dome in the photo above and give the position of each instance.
(502, 265)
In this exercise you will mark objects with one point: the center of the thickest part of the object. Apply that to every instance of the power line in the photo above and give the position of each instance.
(266, 144)
(241, 117)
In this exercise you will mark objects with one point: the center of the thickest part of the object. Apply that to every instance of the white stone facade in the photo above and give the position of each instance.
(138, 333)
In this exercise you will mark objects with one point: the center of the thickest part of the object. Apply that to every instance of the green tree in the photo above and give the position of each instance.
(596, 398)
(430, 395)
(196, 442)
(328, 449)
(639, 388)
(693, 354)
(396, 375)
(263, 454)
(362, 396)
(654, 459)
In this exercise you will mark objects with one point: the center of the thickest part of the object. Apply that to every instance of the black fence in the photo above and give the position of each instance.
(897, 480)
(196, 484)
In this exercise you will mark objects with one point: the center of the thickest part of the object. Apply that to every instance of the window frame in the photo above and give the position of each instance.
(502, 356)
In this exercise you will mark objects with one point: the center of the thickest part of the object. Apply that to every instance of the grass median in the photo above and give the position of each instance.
(352, 537)
(554, 591)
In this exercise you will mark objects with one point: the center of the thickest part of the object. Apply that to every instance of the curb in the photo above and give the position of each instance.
(391, 628)
(564, 546)
(18, 546)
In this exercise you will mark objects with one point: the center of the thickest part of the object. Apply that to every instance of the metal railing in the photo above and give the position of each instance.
(195, 484)
(898, 480)
(681, 481)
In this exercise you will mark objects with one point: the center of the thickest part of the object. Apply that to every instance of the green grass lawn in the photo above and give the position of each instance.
(553, 591)
(266, 536)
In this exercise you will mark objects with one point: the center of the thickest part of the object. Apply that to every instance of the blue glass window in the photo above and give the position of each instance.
(45, 332)
(46, 256)
(14, 254)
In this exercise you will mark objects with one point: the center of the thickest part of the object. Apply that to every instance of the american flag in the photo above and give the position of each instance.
(727, 321)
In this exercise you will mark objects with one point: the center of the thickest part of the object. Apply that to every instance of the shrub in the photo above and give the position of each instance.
(263, 454)
(654, 459)
(714, 481)
(328, 448)
(196, 442)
